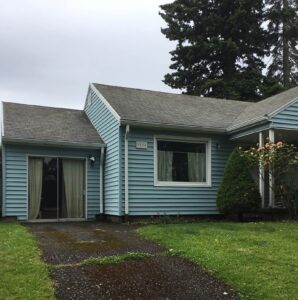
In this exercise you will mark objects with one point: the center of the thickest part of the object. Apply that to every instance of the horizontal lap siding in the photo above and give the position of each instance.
(147, 199)
(288, 118)
(108, 128)
(16, 177)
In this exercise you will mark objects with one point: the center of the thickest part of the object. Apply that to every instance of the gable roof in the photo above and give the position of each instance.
(167, 109)
(266, 108)
(185, 111)
(34, 123)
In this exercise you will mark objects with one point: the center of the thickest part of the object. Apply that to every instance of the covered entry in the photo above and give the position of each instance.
(56, 188)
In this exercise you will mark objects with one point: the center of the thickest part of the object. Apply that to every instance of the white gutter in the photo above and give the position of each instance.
(126, 169)
(101, 182)
(53, 143)
(173, 127)
(247, 124)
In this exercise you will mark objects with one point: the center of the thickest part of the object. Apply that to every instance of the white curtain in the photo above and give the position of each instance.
(165, 165)
(73, 176)
(196, 167)
(35, 186)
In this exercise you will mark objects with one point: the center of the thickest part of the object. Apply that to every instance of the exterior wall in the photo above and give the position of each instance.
(15, 171)
(147, 199)
(287, 118)
(108, 128)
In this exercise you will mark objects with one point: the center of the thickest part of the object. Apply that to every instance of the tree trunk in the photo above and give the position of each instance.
(285, 43)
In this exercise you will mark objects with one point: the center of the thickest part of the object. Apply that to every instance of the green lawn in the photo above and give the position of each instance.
(260, 260)
(22, 273)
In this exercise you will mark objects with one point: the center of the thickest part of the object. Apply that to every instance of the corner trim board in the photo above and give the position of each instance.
(104, 100)
(127, 128)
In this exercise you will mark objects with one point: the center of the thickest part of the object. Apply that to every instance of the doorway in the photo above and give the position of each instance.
(56, 188)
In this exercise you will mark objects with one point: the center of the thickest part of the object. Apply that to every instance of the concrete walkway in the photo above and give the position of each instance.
(65, 245)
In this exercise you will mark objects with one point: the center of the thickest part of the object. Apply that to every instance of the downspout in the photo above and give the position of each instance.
(101, 184)
(126, 169)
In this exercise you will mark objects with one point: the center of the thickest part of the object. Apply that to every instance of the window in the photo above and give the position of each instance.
(182, 162)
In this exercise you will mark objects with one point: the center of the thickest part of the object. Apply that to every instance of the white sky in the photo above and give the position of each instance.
(51, 49)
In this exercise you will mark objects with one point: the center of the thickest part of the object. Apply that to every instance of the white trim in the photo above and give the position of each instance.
(247, 124)
(106, 102)
(283, 107)
(89, 146)
(101, 200)
(183, 139)
(261, 171)
(2, 122)
(3, 182)
(55, 156)
(188, 128)
(271, 177)
(126, 208)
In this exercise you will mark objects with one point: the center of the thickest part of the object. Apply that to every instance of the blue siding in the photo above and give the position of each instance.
(287, 118)
(15, 171)
(108, 128)
(147, 199)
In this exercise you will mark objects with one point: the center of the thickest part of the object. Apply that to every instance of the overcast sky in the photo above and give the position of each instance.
(51, 49)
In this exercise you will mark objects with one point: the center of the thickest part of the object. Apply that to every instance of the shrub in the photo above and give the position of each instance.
(238, 192)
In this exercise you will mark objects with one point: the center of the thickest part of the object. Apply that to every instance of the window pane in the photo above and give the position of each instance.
(181, 162)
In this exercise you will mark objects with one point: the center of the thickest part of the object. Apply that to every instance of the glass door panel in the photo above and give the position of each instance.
(49, 199)
(56, 188)
(72, 204)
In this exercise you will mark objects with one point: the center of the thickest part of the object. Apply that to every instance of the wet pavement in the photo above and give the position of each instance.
(64, 245)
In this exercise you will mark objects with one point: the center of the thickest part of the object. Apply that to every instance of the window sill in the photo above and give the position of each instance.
(182, 184)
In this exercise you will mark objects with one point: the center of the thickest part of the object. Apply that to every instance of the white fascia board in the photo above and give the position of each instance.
(86, 99)
(283, 107)
(53, 143)
(248, 124)
(106, 102)
(173, 127)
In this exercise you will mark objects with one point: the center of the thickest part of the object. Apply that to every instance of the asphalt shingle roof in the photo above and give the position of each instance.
(171, 109)
(267, 106)
(189, 111)
(48, 124)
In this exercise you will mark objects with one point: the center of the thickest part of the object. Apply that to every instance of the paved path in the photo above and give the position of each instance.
(156, 277)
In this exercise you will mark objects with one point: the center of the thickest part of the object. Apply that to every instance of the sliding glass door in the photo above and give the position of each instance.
(56, 188)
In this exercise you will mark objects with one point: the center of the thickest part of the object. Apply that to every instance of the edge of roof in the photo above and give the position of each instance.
(168, 93)
(53, 143)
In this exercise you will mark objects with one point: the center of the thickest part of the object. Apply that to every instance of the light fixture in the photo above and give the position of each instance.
(92, 160)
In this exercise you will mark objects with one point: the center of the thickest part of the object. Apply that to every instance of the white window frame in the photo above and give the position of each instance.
(182, 139)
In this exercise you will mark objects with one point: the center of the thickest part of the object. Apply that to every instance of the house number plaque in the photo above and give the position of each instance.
(141, 145)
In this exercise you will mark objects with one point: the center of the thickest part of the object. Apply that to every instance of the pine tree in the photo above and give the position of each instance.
(283, 30)
(220, 47)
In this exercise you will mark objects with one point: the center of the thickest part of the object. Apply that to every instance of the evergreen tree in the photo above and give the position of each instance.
(283, 30)
(220, 47)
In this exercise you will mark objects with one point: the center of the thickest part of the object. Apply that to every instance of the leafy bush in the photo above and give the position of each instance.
(238, 192)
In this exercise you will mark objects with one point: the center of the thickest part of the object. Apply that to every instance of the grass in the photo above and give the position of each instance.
(115, 258)
(260, 260)
(22, 273)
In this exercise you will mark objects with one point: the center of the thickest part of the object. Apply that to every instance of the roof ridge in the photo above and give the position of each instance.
(168, 93)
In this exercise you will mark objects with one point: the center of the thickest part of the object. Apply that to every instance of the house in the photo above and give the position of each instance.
(131, 152)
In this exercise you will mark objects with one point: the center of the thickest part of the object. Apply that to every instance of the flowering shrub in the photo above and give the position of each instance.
(280, 159)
